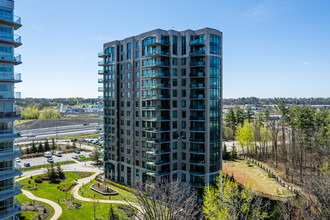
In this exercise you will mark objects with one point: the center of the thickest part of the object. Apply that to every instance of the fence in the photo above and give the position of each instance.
(276, 177)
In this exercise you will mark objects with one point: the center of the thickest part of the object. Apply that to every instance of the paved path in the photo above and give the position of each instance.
(57, 207)
(86, 180)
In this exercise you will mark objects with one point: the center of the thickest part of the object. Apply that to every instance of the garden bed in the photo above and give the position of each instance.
(103, 190)
(42, 210)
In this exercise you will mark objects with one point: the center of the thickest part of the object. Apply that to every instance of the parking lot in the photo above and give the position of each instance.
(43, 160)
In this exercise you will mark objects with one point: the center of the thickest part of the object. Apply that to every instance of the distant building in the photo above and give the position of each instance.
(162, 95)
(9, 206)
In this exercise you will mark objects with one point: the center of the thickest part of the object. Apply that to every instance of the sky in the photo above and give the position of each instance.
(278, 48)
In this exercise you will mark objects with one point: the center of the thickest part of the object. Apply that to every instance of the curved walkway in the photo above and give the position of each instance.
(76, 195)
(57, 207)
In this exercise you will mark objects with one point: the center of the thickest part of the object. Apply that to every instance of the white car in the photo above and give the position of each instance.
(74, 156)
(58, 153)
(17, 160)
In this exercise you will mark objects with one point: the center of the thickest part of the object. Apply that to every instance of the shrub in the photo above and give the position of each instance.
(65, 187)
(38, 180)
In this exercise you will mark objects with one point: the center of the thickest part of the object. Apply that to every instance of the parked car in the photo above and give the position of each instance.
(77, 151)
(85, 124)
(74, 156)
(27, 164)
(81, 156)
(50, 160)
(31, 135)
(17, 160)
(58, 153)
(48, 154)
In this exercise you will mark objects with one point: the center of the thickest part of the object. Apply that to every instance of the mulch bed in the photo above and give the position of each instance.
(42, 210)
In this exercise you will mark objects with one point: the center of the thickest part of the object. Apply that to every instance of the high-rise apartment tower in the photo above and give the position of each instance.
(9, 206)
(162, 94)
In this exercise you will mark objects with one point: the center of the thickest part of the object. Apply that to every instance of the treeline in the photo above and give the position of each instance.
(275, 101)
(41, 103)
(34, 113)
(297, 144)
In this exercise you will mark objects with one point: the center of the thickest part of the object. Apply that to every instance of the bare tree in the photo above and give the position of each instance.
(167, 201)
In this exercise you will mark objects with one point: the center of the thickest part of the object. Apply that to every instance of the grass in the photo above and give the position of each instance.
(50, 191)
(47, 165)
(92, 135)
(88, 193)
(84, 159)
(30, 215)
(248, 174)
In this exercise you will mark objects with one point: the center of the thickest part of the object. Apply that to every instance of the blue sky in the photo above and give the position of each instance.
(276, 48)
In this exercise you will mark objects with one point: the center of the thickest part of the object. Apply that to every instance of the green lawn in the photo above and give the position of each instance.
(92, 135)
(30, 215)
(47, 165)
(88, 193)
(50, 191)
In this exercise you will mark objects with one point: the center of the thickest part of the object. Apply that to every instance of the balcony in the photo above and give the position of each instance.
(157, 64)
(100, 97)
(197, 129)
(197, 118)
(197, 107)
(197, 53)
(154, 151)
(6, 77)
(10, 171)
(102, 54)
(10, 209)
(155, 42)
(197, 85)
(101, 89)
(101, 72)
(10, 39)
(158, 75)
(10, 95)
(197, 172)
(197, 150)
(101, 80)
(199, 41)
(197, 63)
(10, 133)
(198, 162)
(197, 74)
(197, 140)
(101, 63)
(9, 153)
(10, 190)
(10, 115)
(197, 96)
(16, 59)
(158, 141)
(157, 53)
(10, 20)
(158, 130)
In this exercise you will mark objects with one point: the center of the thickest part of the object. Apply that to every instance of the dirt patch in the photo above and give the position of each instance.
(32, 206)
(82, 174)
(71, 204)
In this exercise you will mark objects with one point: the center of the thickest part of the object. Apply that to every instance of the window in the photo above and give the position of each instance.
(175, 166)
(137, 54)
(183, 103)
(121, 48)
(128, 123)
(183, 93)
(137, 85)
(183, 156)
(183, 125)
(137, 64)
(183, 145)
(183, 61)
(175, 145)
(175, 93)
(174, 104)
(175, 72)
(128, 104)
(137, 45)
(183, 82)
(183, 114)
(128, 66)
(183, 46)
(137, 104)
(137, 75)
(175, 45)
(175, 114)
(175, 82)
(174, 124)
(175, 61)
(128, 75)
(175, 156)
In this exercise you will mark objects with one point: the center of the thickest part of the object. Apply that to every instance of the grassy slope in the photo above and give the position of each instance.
(49, 191)
(254, 177)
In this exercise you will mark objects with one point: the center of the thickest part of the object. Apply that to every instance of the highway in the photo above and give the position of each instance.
(53, 132)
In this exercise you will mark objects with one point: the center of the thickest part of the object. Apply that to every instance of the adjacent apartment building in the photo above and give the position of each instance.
(162, 94)
(9, 206)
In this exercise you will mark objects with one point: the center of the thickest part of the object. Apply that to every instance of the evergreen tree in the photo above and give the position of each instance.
(52, 175)
(40, 147)
(53, 144)
(34, 148)
(47, 148)
(60, 173)
(225, 153)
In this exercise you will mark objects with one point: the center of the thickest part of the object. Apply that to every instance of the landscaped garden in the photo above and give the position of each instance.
(59, 191)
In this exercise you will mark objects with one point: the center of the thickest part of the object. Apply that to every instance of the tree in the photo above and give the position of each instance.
(52, 175)
(27, 151)
(40, 147)
(95, 203)
(225, 153)
(230, 121)
(249, 113)
(47, 148)
(53, 144)
(34, 148)
(95, 156)
(60, 172)
(168, 201)
(245, 136)
(227, 201)
(239, 116)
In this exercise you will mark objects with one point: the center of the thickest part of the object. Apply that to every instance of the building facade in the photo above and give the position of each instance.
(9, 206)
(162, 94)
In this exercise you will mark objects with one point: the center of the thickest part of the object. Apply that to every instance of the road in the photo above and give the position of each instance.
(53, 132)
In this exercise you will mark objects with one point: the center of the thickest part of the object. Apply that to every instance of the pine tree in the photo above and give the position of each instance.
(53, 144)
(47, 148)
(40, 147)
(59, 171)
(34, 148)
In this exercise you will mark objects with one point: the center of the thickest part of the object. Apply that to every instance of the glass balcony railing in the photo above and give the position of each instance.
(197, 52)
(197, 150)
(11, 38)
(197, 107)
(101, 72)
(158, 52)
(197, 41)
(102, 54)
(9, 150)
(10, 95)
(197, 118)
(197, 63)
(197, 139)
(197, 96)
(10, 132)
(197, 85)
(5, 76)
(101, 63)
(157, 41)
(197, 161)
(10, 114)
(7, 58)
(11, 18)
(202, 129)
(101, 89)
(7, 210)
(10, 187)
(9, 169)
(17, 95)
(197, 74)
